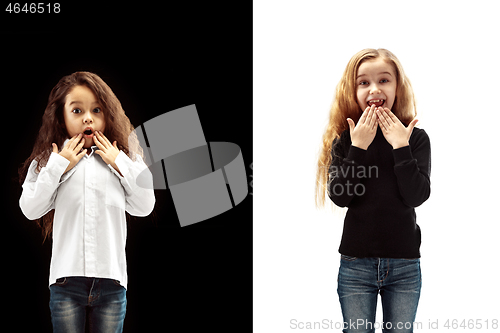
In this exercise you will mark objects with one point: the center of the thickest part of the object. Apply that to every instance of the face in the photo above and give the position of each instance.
(376, 84)
(83, 114)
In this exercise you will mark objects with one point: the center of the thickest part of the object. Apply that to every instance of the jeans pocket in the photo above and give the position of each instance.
(347, 258)
(116, 283)
(61, 281)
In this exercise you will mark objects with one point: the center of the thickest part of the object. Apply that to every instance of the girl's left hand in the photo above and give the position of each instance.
(394, 131)
(107, 151)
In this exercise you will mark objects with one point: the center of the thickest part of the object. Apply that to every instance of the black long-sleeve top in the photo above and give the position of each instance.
(381, 187)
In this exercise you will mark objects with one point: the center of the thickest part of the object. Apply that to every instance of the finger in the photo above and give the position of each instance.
(380, 124)
(370, 114)
(388, 111)
(80, 145)
(98, 143)
(103, 138)
(100, 153)
(368, 117)
(65, 146)
(364, 115)
(96, 138)
(384, 126)
(115, 144)
(54, 148)
(382, 119)
(351, 124)
(383, 111)
(74, 141)
(372, 117)
(412, 125)
(83, 152)
(391, 115)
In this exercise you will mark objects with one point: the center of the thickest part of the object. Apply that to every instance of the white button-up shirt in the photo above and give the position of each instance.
(90, 200)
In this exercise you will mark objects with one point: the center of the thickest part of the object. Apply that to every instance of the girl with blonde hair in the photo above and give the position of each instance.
(377, 164)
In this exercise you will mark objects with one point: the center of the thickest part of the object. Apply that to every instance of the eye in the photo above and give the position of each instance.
(76, 111)
(384, 81)
(362, 83)
(97, 110)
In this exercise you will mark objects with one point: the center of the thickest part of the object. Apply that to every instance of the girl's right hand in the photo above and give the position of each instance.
(363, 133)
(71, 151)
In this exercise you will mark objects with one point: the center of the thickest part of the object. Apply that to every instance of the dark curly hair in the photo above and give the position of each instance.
(53, 129)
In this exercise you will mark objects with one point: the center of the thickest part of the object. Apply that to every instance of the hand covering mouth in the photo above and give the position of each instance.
(376, 102)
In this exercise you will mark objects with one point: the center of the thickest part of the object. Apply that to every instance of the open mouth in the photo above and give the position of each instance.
(88, 133)
(376, 102)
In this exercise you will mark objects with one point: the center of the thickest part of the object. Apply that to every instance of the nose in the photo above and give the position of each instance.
(88, 118)
(374, 89)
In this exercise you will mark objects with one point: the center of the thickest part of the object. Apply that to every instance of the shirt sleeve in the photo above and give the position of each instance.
(343, 171)
(40, 189)
(412, 166)
(140, 200)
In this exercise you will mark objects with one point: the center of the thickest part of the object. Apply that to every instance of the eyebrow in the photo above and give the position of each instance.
(377, 74)
(79, 102)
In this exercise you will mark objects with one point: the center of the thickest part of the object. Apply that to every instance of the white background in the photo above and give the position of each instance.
(450, 52)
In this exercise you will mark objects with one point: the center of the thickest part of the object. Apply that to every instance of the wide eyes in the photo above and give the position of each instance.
(364, 83)
(96, 110)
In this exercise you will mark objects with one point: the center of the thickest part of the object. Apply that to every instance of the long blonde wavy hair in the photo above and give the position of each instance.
(345, 106)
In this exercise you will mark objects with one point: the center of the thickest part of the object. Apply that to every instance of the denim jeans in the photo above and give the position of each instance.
(361, 280)
(75, 301)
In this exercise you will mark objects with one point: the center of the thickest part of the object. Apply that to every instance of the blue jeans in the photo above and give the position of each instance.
(361, 280)
(75, 301)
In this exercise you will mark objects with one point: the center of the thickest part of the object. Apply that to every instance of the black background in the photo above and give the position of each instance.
(156, 58)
